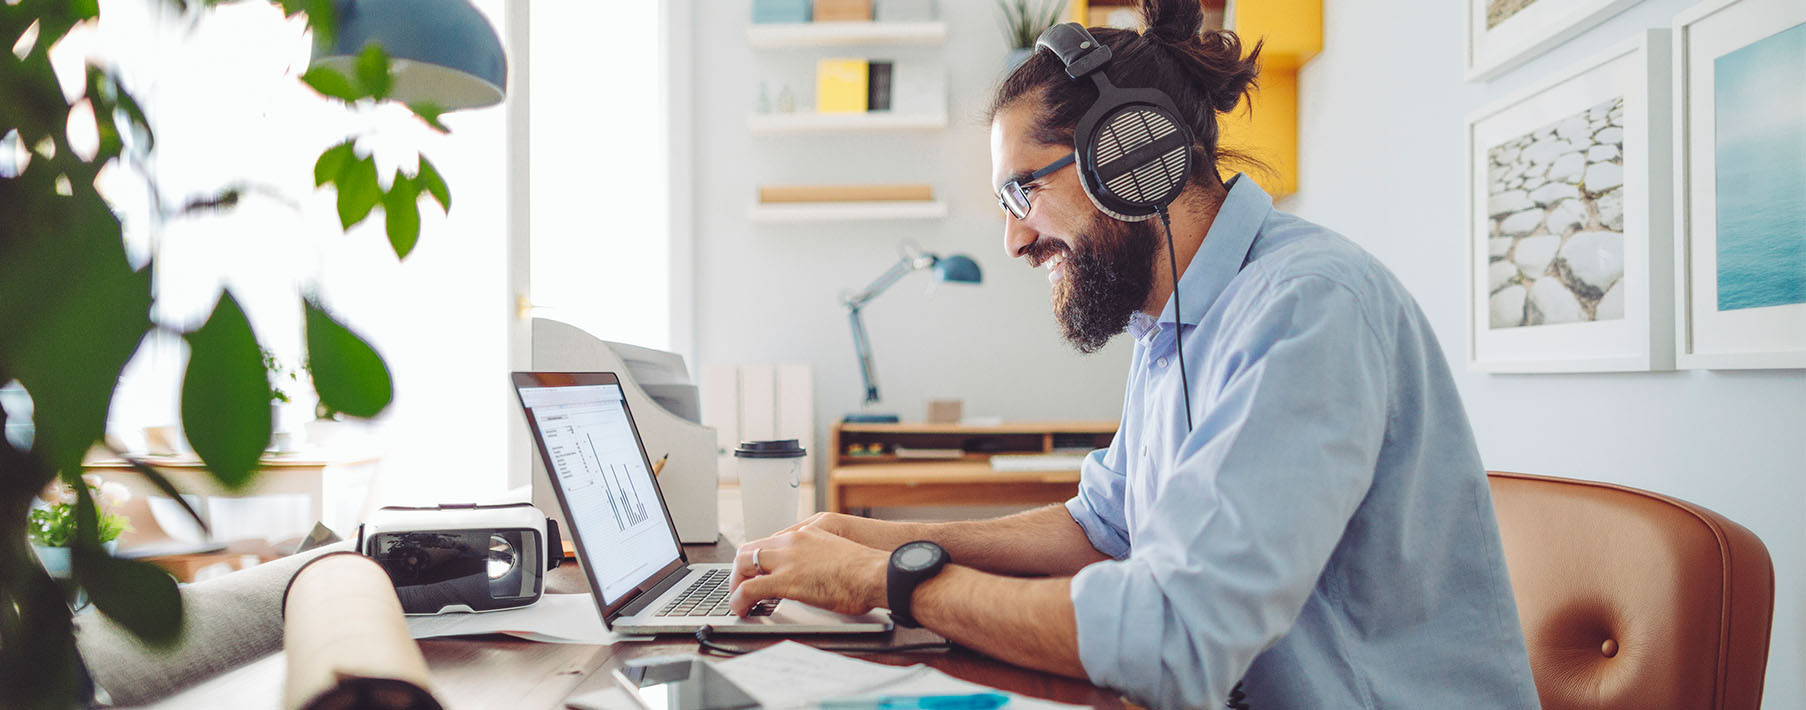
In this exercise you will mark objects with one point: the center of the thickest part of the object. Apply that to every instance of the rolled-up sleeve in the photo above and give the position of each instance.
(1292, 419)
(1098, 507)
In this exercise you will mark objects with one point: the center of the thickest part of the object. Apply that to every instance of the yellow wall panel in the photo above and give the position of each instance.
(1266, 129)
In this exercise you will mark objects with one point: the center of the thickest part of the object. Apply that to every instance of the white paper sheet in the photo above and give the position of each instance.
(793, 675)
(555, 618)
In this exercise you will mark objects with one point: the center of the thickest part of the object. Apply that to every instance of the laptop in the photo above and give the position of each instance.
(641, 580)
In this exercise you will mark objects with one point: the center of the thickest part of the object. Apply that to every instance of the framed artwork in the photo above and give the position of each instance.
(1502, 34)
(1568, 257)
(1740, 184)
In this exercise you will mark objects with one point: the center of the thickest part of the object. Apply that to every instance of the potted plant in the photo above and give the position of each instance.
(1023, 22)
(74, 307)
(51, 527)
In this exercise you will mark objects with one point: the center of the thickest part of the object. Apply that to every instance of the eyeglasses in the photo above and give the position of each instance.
(1013, 197)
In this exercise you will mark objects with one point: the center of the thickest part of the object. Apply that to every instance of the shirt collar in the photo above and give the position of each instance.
(1225, 248)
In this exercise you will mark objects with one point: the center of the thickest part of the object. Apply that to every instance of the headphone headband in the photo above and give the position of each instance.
(1076, 48)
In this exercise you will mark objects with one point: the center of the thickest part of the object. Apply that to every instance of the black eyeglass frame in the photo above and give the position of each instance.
(1013, 191)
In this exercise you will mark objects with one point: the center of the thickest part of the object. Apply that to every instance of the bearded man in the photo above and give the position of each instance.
(1293, 506)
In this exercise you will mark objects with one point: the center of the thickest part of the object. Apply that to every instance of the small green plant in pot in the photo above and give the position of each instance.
(52, 527)
(1023, 22)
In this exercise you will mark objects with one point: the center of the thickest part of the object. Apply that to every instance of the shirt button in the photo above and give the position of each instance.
(1161, 362)
(1144, 451)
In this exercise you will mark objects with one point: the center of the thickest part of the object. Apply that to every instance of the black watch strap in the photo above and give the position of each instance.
(911, 564)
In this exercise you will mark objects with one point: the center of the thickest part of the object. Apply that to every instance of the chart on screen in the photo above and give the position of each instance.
(609, 494)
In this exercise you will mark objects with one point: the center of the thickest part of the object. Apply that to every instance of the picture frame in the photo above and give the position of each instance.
(1740, 256)
(1568, 241)
(1501, 34)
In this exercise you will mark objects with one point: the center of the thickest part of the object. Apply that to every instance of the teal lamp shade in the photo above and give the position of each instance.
(959, 269)
(442, 52)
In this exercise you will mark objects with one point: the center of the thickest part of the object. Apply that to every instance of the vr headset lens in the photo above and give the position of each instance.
(434, 569)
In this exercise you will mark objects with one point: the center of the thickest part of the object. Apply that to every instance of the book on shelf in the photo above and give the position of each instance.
(1037, 462)
(878, 80)
(921, 454)
(773, 194)
(840, 85)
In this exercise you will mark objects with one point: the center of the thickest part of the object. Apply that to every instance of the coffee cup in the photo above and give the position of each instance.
(771, 477)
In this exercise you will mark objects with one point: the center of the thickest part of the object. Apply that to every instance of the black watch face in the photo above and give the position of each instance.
(917, 556)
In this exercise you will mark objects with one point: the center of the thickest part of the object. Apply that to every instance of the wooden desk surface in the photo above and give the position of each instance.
(500, 671)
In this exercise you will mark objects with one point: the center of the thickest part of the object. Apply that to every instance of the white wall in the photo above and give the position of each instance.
(1382, 114)
(771, 292)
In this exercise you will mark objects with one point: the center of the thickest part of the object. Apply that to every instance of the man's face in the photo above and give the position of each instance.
(1101, 268)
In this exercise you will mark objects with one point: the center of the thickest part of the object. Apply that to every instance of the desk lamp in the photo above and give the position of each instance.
(956, 268)
(440, 51)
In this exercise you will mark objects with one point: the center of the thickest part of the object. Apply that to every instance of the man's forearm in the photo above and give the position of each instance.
(1043, 541)
(1027, 622)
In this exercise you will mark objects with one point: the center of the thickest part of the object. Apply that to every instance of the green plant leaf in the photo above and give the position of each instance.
(226, 395)
(72, 310)
(373, 72)
(401, 213)
(329, 82)
(430, 112)
(348, 374)
(430, 180)
(139, 595)
(358, 191)
(332, 162)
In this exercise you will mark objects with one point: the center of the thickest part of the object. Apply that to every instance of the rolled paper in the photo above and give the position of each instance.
(347, 643)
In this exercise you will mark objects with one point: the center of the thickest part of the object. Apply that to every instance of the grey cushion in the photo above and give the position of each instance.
(228, 621)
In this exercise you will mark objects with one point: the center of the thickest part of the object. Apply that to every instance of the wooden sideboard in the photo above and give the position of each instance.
(867, 470)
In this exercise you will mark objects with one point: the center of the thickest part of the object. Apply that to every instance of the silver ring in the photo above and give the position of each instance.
(756, 567)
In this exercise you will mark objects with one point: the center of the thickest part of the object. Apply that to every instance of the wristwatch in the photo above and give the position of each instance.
(910, 565)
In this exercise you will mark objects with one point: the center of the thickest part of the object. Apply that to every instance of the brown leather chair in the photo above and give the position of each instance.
(1631, 599)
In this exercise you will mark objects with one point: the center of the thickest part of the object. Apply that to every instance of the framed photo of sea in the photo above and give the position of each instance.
(1569, 257)
(1502, 34)
(1740, 184)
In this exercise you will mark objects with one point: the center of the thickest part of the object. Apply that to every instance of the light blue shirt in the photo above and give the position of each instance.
(1325, 530)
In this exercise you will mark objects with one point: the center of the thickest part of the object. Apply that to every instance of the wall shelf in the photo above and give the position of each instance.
(836, 34)
(797, 212)
(765, 124)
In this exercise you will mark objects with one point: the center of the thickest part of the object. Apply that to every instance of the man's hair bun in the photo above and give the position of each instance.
(1211, 59)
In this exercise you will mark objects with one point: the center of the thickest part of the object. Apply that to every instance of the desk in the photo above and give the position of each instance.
(965, 477)
(337, 486)
(484, 672)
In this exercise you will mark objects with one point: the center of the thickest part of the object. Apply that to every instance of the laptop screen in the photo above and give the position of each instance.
(593, 454)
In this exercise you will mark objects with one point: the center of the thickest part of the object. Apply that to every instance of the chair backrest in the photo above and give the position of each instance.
(1631, 599)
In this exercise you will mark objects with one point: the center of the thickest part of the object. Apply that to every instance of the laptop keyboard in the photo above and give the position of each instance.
(708, 597)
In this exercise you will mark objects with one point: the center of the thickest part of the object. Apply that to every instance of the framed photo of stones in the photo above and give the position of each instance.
(1740, 184)
(1502, 34)
(1568, 256)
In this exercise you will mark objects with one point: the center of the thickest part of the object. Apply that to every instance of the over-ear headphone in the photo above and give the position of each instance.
(1134, 151)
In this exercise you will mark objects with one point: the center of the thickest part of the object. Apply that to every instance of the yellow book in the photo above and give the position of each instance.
(840, 85)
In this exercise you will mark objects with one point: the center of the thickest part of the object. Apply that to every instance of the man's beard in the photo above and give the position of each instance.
(1107, 277)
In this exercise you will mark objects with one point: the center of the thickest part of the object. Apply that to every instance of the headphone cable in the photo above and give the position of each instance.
(1172, 262)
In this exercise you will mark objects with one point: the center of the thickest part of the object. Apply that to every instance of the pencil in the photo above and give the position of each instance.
(659, 465)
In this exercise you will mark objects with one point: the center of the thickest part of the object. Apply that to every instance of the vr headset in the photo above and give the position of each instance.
(468, 558)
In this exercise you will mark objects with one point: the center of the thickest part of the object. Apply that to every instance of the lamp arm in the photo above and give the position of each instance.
(862, 346)
(909, 262)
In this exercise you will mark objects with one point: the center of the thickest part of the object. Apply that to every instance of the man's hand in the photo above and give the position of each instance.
(813, 566)
(880, 534)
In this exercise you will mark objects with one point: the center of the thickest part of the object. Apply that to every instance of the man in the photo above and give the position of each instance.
(1316, 526)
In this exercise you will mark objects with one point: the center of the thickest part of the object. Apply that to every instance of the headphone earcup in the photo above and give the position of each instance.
(1133, 159)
